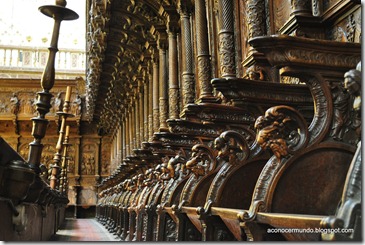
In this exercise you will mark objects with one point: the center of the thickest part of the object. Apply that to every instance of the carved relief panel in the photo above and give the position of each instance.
(348, 29)
(89, 159)
(87, 196)
(71, 164)
(105, 157)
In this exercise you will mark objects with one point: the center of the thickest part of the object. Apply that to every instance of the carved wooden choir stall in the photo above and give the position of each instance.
(233, 120)
(225, 121)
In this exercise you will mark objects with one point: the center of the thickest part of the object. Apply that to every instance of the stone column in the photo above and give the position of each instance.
(174, 110)
(188, 83)
(163, 93)
(204, 64)
(226, 39)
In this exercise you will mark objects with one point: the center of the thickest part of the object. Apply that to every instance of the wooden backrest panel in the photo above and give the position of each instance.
(312, 183)
(236, 191)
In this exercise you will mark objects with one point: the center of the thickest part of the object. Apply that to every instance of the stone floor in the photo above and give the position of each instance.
(83, 230)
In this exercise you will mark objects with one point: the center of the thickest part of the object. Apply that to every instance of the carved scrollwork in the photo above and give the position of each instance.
(283, 130)
(232, 147)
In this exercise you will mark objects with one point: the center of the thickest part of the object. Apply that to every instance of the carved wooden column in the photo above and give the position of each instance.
(146, 108)
(134, 126)
(141, 114)
(256, 26)
(226, 39)
(119, 145)
(317, 7)
(150, 103)
(174, 110)
(130, 131)
(137, 119)
(127, 134)
(124, 138)
(204, 65)
(255, 18)
(155, 92)
(188, 83)
(114, 149)
(162, 46)
(301, 7)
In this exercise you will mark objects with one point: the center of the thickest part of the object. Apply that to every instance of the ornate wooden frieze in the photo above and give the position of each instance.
(218, 114)
(258, 96)
(189, 128)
